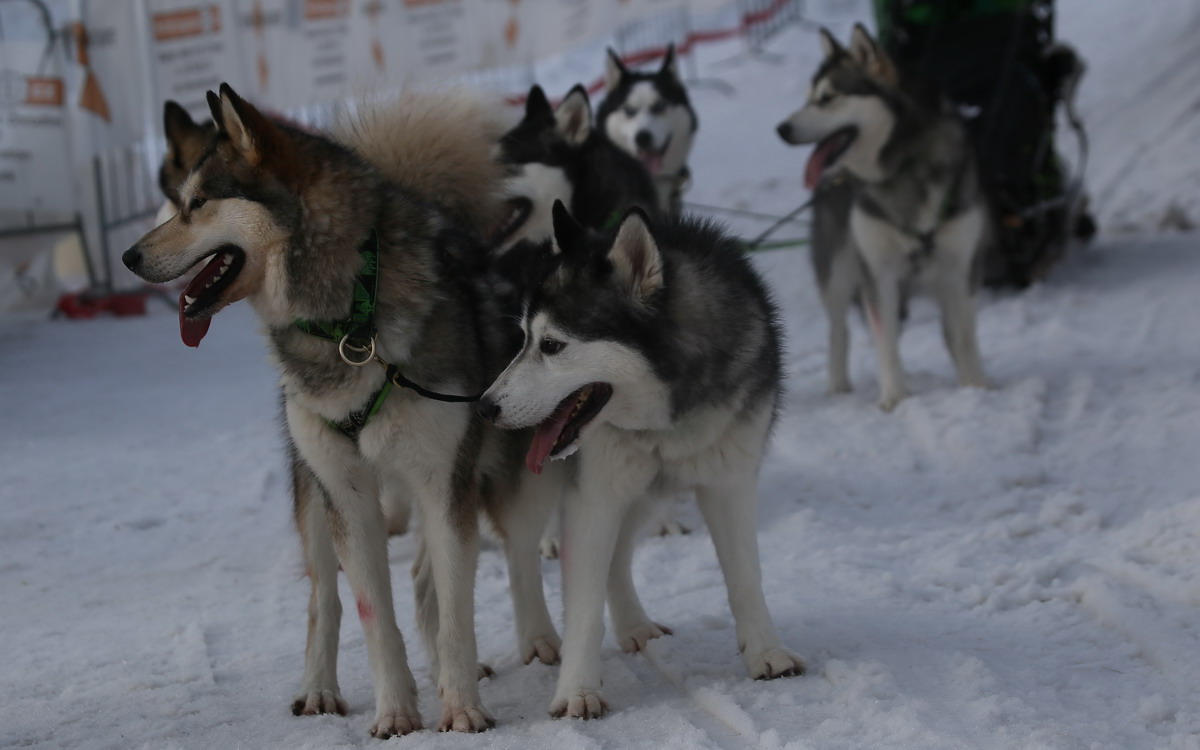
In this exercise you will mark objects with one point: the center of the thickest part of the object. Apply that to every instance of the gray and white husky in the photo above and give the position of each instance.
(650, 116)
(291, 221)
(654, 353)
(897, 207)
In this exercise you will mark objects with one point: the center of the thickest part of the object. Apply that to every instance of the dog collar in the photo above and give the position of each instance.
(355, 337)
(356, 331)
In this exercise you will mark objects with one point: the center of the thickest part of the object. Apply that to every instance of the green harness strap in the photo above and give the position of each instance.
(356, 332)
(359, 327)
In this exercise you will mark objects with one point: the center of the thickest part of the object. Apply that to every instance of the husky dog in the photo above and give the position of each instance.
(656, 354)
(649, 115)
(294, 222)
(557, 154)
(907, 213)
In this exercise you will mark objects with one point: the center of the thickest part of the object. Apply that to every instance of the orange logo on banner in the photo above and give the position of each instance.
(92, 97)
(315, 10)
(44, 92)
(416, 3)
(373, 9)
(178, 24)
(259, 22)
(512, 29)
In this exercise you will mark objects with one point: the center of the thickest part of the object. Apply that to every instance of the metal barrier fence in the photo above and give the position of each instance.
(124, 194)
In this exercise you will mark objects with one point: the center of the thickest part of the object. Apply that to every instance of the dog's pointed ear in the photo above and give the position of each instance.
(635, 257)
(179, 127)
(574, 116)
(536, 104)
(567, 231)
(614, 70)
(670, 65)
(214, 108)
(866, 52)
(252, 134)
(830, 46)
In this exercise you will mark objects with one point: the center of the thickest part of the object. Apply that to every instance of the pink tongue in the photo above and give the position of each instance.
(190, 330)
(653, 162)
(543, 439)
(817, 162)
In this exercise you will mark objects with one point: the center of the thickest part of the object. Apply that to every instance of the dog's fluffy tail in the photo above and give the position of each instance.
(442, 146)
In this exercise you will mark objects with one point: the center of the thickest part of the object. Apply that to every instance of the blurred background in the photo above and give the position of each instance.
(82, 85)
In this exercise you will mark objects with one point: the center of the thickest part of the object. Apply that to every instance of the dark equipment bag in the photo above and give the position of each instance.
(998, 63)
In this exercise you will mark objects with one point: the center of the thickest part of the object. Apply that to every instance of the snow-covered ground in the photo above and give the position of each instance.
(1012, 568)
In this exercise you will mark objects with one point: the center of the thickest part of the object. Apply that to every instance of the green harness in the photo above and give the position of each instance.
(355, 337)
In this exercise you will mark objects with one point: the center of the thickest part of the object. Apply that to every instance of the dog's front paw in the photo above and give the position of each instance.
(634, 638)
(395, 723)
(319, 701)
(465, 719)
(838, 387)
(549, 547)
(670, 527)
(770, 663)
(579, 704)
(891, 399)
(546, 649)
(974, 381)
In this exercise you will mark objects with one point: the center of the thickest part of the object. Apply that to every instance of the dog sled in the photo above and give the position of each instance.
(998, 62)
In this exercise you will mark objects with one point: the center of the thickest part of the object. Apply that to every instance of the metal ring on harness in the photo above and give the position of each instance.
(345, 344)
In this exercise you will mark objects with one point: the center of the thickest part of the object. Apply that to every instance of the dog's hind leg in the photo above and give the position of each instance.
(730, 512)
(519, 519)
(320, 693)
(359, 536)
(883, 306)
(552, 535)
(397, 506)
(837, 294)
(958, 326)
(632, 627)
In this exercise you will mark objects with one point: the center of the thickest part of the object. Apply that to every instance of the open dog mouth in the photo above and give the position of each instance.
(519, 209)
(558, 436)
(201, 299)
(826, 153)
(653, 158)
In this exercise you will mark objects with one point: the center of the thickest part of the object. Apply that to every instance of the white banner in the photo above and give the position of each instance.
(193, 49)
(35, 166)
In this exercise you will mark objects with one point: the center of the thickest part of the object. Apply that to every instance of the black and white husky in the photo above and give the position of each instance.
(897, 207)
(303, 227)
(556, 153)
(649, 115)
(654, 351)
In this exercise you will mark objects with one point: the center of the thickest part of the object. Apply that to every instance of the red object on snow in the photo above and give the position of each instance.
(88, 304)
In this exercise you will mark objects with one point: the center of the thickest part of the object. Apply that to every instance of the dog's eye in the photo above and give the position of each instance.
(196, 204)
(658, 108)
(551, 346)
(629, 111)
(825, 99)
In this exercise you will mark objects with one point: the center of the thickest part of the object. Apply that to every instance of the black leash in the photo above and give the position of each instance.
(760, 239)
(355, 336)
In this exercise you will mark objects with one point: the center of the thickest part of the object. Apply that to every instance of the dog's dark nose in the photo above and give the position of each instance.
(643, 139)
(785, 131)
(132, 258)
(488, 409)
